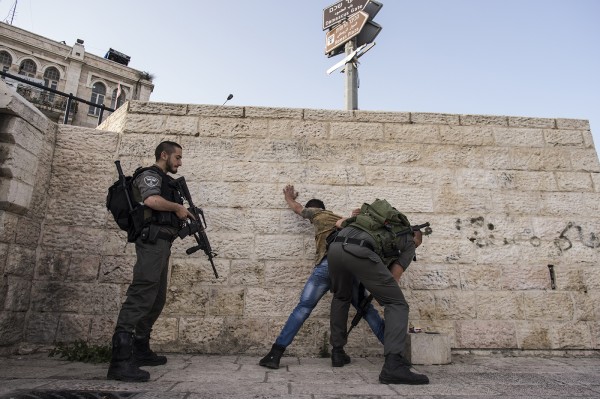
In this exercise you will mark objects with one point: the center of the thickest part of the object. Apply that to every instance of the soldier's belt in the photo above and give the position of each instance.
(354, 241)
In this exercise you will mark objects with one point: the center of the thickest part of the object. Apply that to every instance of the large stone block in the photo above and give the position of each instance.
(14, 130)
(486, 120)
(519, 137)
(15, 196)
(486, 334)
(555, 306)
(273, 113)
(281, 273)
(455, 305)
(41, 328)
(534, 335)
(20, 261)
(360, 131)
(574, 181)
(328, 115)
(278, 246)
(247, 273)
(502, 305)
(422, 276)
(146, 107)
(435, 119)
(18, 294)
(286, 128)
(571, 335)
(379, 116)
(519, 121)
(564, 137)
(585, 160)
(12, 326)
(581, 124)
(73, 327)
(275, 302)
(182, 125)
(53, 265)
(150, 124)
(402, 133)
(425, 348)
(83, 267)
(201, 334)
(8, 226)
(233, 128)
(116, 269)
(226, 301)
(191, 299)
(216, 111)
(472, 135)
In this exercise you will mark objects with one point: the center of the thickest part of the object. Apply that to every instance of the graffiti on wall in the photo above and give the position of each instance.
(564, 243)
(483, 235)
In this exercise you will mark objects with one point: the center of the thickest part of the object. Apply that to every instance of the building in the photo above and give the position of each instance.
(69, 69)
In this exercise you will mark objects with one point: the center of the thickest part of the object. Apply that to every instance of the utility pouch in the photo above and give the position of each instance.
(153, 233)
(145, 233)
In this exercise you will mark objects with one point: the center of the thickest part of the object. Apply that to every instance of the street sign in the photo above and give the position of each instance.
(367, 35)
(345, 31)
(338, 12)
(354, 55)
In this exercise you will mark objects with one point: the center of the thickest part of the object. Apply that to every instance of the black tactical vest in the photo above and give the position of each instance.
(169, 193)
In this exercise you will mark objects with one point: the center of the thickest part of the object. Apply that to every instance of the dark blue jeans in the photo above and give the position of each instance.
(316, 286)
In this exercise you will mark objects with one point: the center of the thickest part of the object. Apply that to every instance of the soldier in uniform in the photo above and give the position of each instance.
(317, 285)
(355, 255)
(147, 292)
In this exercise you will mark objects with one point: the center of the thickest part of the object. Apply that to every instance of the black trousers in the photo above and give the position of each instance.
(147, 293)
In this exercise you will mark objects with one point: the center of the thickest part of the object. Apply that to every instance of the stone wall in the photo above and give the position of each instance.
(506, 197)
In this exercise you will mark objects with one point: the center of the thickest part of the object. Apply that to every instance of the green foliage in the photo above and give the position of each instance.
(80, 351)
(324, 352)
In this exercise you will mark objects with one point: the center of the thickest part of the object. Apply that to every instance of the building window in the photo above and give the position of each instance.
(5, 61)
(98, 93)
(119, 101)
(28, 68)
(51, 77)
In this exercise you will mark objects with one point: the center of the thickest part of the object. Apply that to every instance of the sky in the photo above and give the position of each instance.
(533, 58)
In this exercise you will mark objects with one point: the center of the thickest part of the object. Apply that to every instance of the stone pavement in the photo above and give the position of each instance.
(202, 376)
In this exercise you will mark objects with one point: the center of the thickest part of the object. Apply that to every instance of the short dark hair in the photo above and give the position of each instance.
(315, 203)
(167, 146)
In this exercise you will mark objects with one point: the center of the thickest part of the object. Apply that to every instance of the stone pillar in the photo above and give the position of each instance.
(26, 148)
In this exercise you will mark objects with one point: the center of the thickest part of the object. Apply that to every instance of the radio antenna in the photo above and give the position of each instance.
(11, 14)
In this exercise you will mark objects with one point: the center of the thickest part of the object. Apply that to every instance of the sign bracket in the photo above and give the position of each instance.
(352, 57)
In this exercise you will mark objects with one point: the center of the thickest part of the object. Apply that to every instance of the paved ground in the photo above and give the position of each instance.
(200, 376)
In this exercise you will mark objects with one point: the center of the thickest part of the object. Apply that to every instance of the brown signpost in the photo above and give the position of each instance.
(341, 10)
(345, 31)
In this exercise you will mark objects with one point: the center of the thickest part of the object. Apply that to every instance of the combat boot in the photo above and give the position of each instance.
(339, 358)
(143, 355)
(396, 370)
(122, 365)
(273, 357)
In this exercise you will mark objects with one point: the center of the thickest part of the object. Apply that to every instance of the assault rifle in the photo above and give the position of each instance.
(194, 227)
(361, 310)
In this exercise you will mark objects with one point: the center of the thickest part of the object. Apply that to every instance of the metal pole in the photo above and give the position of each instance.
(351, 79)
(101, 114)
(68, 109)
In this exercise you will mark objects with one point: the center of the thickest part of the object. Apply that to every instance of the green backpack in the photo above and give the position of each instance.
(385, 224)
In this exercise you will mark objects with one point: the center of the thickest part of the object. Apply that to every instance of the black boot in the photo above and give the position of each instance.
(339, 358)
(143, 355)
(122, 366)
(396, 370)
(273, 357)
